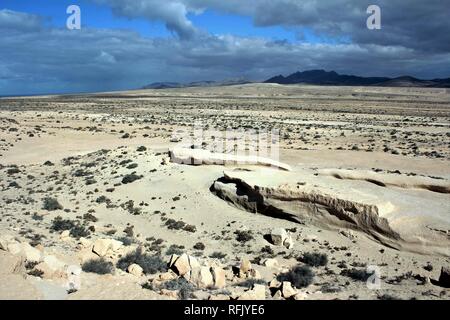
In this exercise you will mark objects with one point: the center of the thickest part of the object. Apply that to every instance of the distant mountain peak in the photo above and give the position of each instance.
(208, 83)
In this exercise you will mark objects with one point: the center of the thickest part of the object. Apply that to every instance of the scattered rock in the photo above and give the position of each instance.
(288, 242)
(245, 266)
(202, 277)
(135, 270)
(258, 292)
(31, 254)
(85, 243)
(278, 236)
(274, 283)
(102, 246)
(172, 260)
(348, 234)
(169, 293)
(253, 273)
(54, 263)
(301, 296)
(287, 290)
(271, 263)
(219, 297)
(11, 264)
(65, 235)
(181, 265)
(219, 277)
(167, 276)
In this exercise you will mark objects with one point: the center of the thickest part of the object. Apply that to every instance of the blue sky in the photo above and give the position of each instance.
(101, 16)
(127, 44)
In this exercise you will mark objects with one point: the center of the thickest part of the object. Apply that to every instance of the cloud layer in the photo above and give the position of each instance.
(36, 58)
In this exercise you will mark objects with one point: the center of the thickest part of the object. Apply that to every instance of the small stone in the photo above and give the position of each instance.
(85, 243)
(288, 243)
(274, 283)
(169, 293)
(271, 263)
(245, 266)
(5, 240)
(278, 236)
(287, 290)
(258, 292)
(301, 296)
(193, 262)
(219, 297)
(65, 234)
(14, 247)
(11, 264)
(181, 265)
(31, 254)
(102, 246)
(166, 276)
(172, 260)
(202, 277)
(135, 270)
(219, 277)
(254, 274)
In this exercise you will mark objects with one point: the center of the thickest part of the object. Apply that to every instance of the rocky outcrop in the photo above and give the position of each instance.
(389, 180)
(202, 274)
(205, 157)
(326, 203)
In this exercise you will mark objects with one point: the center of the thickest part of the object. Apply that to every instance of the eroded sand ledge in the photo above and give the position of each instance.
(400, 219)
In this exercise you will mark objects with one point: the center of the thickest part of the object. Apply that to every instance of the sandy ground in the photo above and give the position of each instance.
(78, 149)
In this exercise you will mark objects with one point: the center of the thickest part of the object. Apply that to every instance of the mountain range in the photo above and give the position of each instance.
(322, 77)
(168, 85)
(316, 77)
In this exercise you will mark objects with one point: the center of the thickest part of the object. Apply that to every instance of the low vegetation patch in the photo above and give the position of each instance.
(299, 276)
(98, 266)
(217, 255)
(356, 274)
(314, 259)
(51, 204)
(151, 264)
(130, 178)
(184, 288)
(244, 236)
(173, 224)
(76, 229)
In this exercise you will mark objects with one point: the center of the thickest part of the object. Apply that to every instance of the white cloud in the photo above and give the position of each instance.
(52, 59)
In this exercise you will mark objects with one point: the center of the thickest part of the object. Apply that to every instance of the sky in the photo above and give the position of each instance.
(125, 44)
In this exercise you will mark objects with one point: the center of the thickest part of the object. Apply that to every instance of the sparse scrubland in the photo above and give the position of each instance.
(93, 207)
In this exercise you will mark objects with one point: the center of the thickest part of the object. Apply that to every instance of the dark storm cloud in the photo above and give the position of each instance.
(418, 24)
(36, 58)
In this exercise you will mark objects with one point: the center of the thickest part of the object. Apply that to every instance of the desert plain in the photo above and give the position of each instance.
(95, 205)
